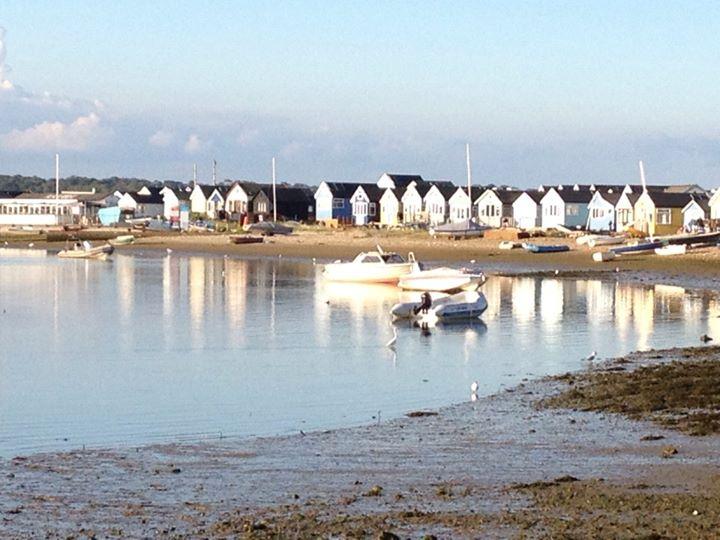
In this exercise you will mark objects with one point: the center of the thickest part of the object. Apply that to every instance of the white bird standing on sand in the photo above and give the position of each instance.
(474, 387)
(169, 251)
(391, 343)
(31, 244)
(591, 357)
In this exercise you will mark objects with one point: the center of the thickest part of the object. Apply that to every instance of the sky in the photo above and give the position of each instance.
(544, 92)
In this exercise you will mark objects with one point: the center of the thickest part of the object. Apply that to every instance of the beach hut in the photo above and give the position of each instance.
(412, 203)
(435, 201)
(697, 209)
(332, 201)
(460, 207)
(295, 203)
(365, 202)
(625, 210)
(198, 199)
(494, 207)
(565, 206)
(391, 206)
(602, 214)
(659, 212)
(146, 202)
(526, 209)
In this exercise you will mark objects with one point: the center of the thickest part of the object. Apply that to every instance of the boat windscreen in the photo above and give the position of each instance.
(393, 258)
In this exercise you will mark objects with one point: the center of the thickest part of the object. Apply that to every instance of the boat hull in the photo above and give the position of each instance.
(440, 280)
(368, 272)
(537, 248)
(99, 253)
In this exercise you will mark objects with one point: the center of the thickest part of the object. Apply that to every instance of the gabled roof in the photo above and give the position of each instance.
(534, 195)
(402, 180)
(572, 196)
(606, 188)
(612, 198)
(702, 201)
(373, 192)
(663, 199)
(294, 194)
(342, 190)
(153, 198)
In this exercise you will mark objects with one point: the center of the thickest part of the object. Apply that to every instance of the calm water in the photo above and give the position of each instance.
(151, 348)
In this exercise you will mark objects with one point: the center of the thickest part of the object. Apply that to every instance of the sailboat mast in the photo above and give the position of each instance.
(469, 179)
(274, 193)
(642, 176)
(214, 173)
(57, 180)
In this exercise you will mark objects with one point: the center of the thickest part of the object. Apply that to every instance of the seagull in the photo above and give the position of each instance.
(474, 387)
(557, 272)
(391, 343)
(6, 242)
(31, 244)
(472, 261)
(169, 251)
(705, 338)
(591, 357)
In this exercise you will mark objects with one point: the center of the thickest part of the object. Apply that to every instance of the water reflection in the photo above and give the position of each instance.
(149, 347)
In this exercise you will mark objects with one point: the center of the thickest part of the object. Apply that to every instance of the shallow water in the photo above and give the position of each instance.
(148, 348)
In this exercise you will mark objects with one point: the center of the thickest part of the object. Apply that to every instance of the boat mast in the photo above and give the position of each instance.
(642, 177)
(469, 179)
(274, 195)
(194, 174)
(214, 173)
(57, 178)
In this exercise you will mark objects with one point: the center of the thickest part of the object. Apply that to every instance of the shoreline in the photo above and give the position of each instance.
(484, 467)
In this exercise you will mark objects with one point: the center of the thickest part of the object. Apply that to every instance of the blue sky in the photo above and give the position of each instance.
(543, 91)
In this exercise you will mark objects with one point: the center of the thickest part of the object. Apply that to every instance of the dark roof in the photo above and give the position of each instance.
(398, 192)
(606, 188)
(402, 180)
(662, 199)
(612, 198)
(294, 194)
(572, 196)
(444, 186)
(535, 195)
(222, 190)
(342, 190)
(153, 198)
(373, 192)
(9, 194)
(447, 190)
(702, 200)
(508, 196)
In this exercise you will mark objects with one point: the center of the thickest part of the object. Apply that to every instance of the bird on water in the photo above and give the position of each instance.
(591, 357)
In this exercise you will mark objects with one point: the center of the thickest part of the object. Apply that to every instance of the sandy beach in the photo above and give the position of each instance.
(515, 464)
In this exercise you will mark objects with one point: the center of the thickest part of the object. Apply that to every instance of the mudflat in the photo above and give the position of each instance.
(512, 464)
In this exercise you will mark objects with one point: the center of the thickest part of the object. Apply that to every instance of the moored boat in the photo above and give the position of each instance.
(538, 248)
(508, 244)
(440, 279)
(603, 256)
(268, 228)
(463, 229)
(637, 248)
(372, 267)
(122, 240)
(465, 305)
(605, 241)
(244, 239)
(85, 250)
(673, 249)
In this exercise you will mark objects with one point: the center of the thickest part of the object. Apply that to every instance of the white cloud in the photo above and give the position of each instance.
(82, 133)
(194, 144)
(161, 138)
(5, 83)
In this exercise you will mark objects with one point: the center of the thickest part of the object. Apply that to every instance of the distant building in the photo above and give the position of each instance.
(526, 209)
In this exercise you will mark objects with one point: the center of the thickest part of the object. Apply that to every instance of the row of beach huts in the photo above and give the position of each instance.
(393, 200)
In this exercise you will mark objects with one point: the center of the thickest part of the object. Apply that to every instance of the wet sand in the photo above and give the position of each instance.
(497, 467)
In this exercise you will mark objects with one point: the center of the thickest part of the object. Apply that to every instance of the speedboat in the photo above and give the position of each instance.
(440, 279)
(372, 267)
(465, 305)
(85, 250)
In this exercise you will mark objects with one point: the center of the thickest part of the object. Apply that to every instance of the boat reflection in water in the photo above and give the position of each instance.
(158, 347)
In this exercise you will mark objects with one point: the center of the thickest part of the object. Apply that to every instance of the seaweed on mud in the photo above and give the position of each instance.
(683, 395)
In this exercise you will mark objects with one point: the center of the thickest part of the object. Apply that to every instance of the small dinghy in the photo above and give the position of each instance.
(244, 239)
(122, 240)
(462, 306)
(605, 241)
(537, 248)
(441, 280)
(507, 244)
(603, 256)
(674, 249)
(86, 251)
(464, 229)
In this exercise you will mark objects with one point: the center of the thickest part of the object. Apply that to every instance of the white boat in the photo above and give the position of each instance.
(583, 239)
(605, 241)
(122, 240)
(508, 244)
(673, 249)
(372, 267)
(603, 256)
(86, 251)
(440, 279)
(465, 305)
(463, 229)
